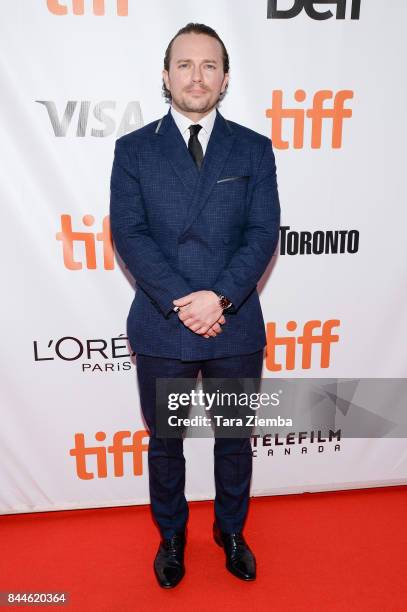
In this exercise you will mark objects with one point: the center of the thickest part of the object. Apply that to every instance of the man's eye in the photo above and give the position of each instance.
(181, 65)
(210, 66)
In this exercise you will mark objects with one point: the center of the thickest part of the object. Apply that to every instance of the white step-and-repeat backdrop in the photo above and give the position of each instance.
(325, 82)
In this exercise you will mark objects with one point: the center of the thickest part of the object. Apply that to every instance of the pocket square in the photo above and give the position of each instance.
(231, 178)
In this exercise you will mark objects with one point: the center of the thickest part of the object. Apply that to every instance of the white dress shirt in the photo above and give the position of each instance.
(184, 122)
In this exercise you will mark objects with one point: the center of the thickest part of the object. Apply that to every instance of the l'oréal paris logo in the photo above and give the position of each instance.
(94, 355)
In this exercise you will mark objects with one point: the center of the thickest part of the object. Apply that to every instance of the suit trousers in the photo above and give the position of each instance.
(166, 462)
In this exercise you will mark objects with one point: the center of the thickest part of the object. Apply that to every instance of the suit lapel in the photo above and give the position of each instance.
(199, 183)
(172, 146)
(218, 149)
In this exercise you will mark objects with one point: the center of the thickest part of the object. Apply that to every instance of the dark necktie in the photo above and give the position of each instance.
(194, 146)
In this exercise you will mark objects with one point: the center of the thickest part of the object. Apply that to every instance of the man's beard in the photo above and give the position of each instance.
(197, 106)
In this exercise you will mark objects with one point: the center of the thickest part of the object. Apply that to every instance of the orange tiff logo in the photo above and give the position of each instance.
(318, 113)
(69, 238)
(78, 7)
(118, 449)
(306, 341)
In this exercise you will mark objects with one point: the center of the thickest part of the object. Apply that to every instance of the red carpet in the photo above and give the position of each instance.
(344, 550)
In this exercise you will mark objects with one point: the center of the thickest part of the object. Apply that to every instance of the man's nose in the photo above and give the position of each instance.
(196, 74)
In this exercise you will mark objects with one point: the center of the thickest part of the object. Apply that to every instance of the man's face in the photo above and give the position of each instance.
(195, 78)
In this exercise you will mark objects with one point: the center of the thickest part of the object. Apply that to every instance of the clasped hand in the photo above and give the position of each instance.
(201, 313)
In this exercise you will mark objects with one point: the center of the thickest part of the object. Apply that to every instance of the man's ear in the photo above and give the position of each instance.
(165, 77)
(225, 82)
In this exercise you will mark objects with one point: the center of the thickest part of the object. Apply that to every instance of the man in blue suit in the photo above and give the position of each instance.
(195, 217)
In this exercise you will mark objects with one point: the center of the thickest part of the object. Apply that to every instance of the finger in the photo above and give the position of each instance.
(211, 333)
(222, 320)
(202, 329)
(185, 313)
(217, 328)
(187, 299)
(195, 327)
(187, 319)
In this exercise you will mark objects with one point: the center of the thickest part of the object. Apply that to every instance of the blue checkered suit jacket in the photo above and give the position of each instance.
(179, 229)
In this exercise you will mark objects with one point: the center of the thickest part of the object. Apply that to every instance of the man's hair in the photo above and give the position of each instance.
(196, 28)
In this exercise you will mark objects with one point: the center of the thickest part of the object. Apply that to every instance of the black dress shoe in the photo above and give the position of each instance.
(169, 561)
(240, 560)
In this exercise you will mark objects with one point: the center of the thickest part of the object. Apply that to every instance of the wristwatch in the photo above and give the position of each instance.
(224, 302)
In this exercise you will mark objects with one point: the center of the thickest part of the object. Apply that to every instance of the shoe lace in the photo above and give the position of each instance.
(237, 540)
(173, 545)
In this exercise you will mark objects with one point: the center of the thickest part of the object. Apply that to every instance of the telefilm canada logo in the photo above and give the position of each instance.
(83, 118)
(92, 355)
(288, 9)
(318, 242)
(301, 442)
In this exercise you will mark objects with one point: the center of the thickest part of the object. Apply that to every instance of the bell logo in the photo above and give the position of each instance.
(136, 448)
(78, 7)
(317, 113)
(68, 237)
(307, 340)
(308, 5)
